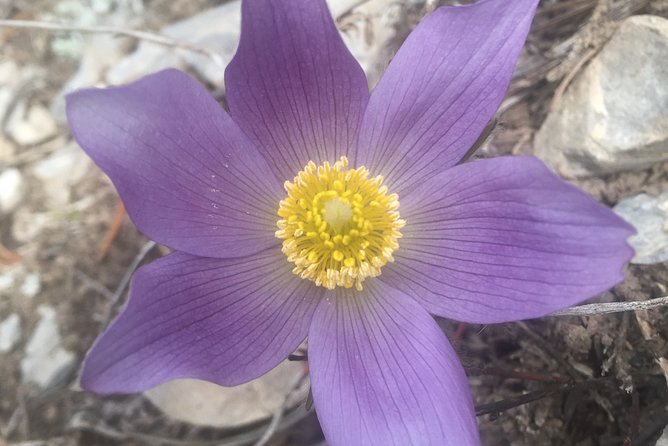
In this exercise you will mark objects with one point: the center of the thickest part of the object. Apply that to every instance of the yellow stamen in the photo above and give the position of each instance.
(338, 226)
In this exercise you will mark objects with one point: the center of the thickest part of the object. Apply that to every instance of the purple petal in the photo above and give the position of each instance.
(505, 239)
(383, 373)
(222, 320)
(293, 86)
(189, 177)
(441, 89)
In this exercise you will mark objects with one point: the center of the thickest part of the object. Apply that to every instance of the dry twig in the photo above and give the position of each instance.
(568, 78)
(547, 348)
(126, 280)
(8, 257)
(113, 230)
(512, 374)
(140, 35)
(278, 414)
(612, 307)
(93, 284)
(500, 406)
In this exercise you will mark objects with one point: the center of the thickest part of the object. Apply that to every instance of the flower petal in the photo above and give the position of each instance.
(189, 177)
(505, 239)
(383, 373)
(222, 320)
(293, 86)
(441, 89)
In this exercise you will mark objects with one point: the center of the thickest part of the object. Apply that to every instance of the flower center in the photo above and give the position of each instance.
(338, 226)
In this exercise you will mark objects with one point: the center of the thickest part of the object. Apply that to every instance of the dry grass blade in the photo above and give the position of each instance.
(612, 307)
(141, 35)
(8, 257)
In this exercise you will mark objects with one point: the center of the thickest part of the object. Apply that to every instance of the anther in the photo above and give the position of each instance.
(338, 226)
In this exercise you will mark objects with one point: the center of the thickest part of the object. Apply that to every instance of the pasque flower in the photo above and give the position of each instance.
(315, 209)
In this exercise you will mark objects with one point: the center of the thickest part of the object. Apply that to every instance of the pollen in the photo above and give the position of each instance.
(338, 226)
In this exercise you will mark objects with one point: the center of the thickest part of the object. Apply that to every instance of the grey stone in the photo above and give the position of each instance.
(12, 190)
(614, 116)
(46, 361)
(204, 403)
(649, 215)
(10, 332)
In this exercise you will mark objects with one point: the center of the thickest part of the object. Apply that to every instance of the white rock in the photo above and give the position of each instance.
(10, 332)
(12, 190)
(204, 403)
(9, 71)
(30, 126)
(663, 441)
(45, 359)
(614, 115)
(7, 150)
(8, 278)
(31, 285)
(60, 171)
(649, 215)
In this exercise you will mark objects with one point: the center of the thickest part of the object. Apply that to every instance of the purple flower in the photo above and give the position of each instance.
(285, 220)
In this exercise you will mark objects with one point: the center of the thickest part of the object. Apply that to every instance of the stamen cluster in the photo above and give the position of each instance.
(338, 225)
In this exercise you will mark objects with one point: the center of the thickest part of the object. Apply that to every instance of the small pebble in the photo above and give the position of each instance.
(31, 285)
(10, 332)
(12, 190)
(7, 280)
(31, 127)
(45, 358)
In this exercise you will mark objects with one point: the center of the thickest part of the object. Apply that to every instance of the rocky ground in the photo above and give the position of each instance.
(590, 97)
